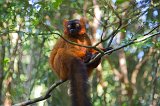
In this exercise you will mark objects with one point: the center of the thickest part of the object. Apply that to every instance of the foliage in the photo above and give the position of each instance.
(27, 35)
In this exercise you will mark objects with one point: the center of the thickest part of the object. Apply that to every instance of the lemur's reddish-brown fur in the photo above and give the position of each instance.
(68, 60)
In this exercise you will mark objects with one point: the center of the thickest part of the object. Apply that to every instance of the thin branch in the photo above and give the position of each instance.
(46, 96)
(133, 42)
(103, 31)
(112, 35)
(74, 43)
(51, 32)
(130, 43)
(134, 19)
(152, 29)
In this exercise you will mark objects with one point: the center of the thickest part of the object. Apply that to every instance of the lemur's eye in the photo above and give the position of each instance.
(69, 26)
(77, 25)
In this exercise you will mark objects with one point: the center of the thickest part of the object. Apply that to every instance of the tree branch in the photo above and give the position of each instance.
(46, 96)
(130, 43)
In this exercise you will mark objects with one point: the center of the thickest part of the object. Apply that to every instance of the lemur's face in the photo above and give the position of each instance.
(74, 28)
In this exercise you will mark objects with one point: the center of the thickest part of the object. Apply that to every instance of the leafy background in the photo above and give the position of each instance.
(127, 77)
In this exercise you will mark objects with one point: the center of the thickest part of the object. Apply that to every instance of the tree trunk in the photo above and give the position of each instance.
(2, 56)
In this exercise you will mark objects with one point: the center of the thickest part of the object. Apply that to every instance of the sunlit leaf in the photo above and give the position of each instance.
(57, 3)
(120, 1)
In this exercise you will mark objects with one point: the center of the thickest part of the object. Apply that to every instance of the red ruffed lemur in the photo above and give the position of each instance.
(68, 61)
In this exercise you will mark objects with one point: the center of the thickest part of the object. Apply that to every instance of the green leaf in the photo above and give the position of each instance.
(120, 1)
(6, 60)
(149, 44)
(122, 30)
(57, 3)
(158, 44)
(23, 77)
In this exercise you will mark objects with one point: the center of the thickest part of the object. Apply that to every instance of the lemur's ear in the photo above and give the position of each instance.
(83, 20)
(65, 22)
(83, 26)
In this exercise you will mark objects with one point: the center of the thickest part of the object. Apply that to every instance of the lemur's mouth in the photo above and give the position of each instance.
(73, 31)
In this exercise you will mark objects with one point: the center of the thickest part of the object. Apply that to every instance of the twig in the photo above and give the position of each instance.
(152, 29)
(74, 43)
(47, 95)
(113, 34)
(131, 42)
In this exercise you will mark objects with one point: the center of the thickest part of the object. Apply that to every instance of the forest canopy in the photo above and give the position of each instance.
(129, 76)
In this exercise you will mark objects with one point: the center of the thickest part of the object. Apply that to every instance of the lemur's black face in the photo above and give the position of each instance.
(73, 27)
